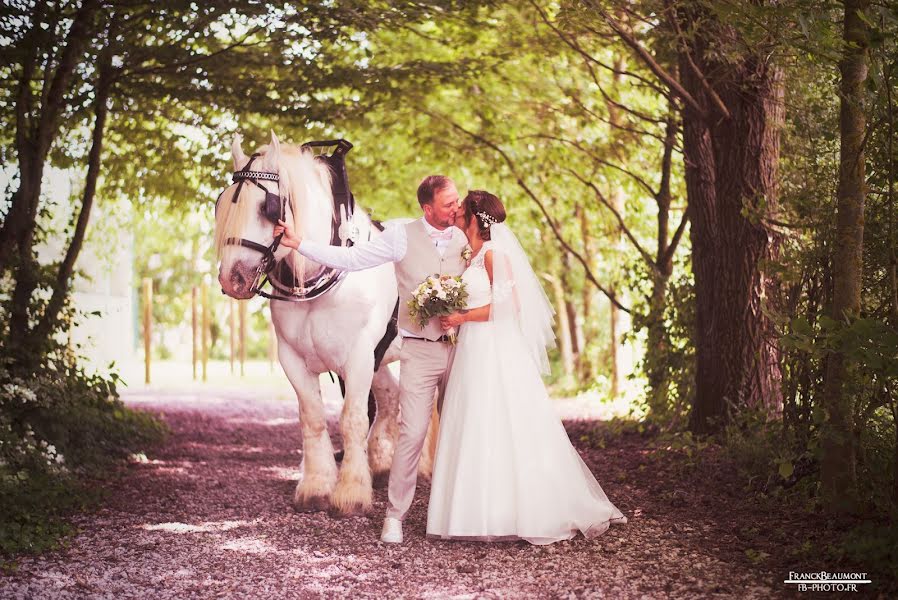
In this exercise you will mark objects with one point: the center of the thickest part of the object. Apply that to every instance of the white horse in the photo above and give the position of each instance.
(337, 331)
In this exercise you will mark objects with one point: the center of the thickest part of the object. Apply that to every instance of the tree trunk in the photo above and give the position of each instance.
(587, 330)
(61, 287)
(731, 163)
(837, 466)
(616, 199)
(615, 325)
(564, 329)
(657, 367)
(36, 129)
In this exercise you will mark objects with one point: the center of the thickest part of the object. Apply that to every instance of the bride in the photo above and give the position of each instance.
(505, 468)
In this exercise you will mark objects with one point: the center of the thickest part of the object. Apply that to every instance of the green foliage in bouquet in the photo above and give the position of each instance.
(437, 296)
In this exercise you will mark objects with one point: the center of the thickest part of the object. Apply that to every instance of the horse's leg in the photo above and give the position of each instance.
(385, 430)
(352, 496)
(319, 470)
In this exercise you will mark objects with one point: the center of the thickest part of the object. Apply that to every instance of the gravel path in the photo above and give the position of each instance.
(208, 516)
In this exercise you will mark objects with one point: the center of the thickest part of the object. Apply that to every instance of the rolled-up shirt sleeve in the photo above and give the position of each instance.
(388, 247)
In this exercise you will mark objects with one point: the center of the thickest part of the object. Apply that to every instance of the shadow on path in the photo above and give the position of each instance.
(209, 515)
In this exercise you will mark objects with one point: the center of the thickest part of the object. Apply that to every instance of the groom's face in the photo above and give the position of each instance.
(441, 212)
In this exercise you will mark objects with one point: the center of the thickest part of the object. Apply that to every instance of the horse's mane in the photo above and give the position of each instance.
(304, 182)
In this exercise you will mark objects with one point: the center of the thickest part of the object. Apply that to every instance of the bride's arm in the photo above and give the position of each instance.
(481, 313)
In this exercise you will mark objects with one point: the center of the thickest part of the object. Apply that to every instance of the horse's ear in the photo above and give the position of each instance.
(273, 155)
(237, 152)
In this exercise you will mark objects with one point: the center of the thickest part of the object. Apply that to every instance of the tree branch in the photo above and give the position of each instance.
(620, 220)
(66, 267)
(715, 98)
(642, 182)
(650, 62)
(523, 185)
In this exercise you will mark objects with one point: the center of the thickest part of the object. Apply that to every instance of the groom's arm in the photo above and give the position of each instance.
(389, 247)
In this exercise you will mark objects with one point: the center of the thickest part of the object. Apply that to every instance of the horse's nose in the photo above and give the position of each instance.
(238, 281)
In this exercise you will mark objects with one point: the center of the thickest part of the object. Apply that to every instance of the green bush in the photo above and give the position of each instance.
(60, 428)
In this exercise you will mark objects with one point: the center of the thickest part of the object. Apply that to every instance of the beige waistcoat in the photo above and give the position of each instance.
(421, 260)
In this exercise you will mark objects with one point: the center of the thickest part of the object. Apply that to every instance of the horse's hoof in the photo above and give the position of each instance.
(353, 510)
(312, 504)
(380, 480)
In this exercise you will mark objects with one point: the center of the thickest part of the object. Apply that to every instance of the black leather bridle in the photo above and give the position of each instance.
(275, 208)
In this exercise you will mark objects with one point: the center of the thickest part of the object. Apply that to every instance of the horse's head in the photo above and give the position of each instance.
(277, 182)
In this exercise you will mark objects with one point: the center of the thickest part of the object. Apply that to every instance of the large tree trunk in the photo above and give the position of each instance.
(731, 164)
(37, 124)
(837, 465)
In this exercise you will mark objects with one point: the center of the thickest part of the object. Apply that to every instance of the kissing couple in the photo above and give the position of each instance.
(504, 467)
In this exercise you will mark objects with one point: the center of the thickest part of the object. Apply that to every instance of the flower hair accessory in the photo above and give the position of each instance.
(486, 219)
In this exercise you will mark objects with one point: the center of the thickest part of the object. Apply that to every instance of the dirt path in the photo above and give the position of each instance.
(208, 516)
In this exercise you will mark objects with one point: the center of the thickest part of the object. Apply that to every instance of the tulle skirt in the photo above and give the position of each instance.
(505, 468)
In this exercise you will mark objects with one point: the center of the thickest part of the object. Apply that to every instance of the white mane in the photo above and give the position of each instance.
(304, 181)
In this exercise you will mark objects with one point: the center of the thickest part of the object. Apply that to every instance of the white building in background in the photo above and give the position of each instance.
(103, 292)
(107, 288)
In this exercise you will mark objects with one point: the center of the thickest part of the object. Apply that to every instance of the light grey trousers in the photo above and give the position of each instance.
(424, 368)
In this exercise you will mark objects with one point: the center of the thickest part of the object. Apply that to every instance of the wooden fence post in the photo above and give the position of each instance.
(205, 328)
(242, 311)
(194, 294)
(147, 326)
(272, 346)
(232, 325)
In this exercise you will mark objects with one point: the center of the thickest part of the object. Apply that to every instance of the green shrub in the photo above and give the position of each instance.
(60, 428)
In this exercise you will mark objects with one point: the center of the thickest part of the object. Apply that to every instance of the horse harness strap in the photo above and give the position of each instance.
(275, 208)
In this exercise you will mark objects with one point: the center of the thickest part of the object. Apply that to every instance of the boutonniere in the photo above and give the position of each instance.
(466, 254)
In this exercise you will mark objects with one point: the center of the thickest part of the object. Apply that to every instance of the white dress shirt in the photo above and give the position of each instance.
(390, 246)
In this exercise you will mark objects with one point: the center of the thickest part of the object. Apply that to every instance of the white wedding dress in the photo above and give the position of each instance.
(505, 468)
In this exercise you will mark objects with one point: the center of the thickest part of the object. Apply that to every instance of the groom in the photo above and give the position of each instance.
(419, 249)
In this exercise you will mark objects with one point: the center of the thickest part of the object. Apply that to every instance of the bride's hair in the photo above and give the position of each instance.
(484, 207)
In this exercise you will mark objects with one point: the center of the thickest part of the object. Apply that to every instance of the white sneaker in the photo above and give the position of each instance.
(392, 531)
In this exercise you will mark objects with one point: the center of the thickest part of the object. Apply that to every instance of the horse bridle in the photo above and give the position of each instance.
(275, 208)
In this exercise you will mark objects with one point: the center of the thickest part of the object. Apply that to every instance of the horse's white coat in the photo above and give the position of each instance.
(335, 332)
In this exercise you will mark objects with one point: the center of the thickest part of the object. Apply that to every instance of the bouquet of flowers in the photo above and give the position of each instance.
(437, 296)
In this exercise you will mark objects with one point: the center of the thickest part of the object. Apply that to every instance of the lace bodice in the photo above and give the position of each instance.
(477, 281)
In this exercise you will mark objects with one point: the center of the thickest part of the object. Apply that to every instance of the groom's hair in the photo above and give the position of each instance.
(430, 185)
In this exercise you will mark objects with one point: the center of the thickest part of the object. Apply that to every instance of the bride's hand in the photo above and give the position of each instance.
(450, 321)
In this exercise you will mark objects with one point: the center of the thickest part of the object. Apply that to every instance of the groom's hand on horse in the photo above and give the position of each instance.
(290, 239)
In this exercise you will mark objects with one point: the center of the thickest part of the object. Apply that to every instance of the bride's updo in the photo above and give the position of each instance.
(484, 207)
